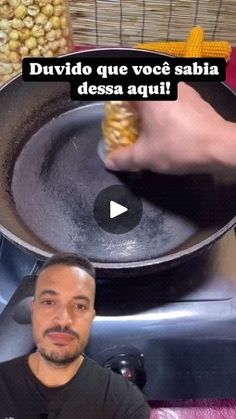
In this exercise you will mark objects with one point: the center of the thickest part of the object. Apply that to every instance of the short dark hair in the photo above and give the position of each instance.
(69, 259)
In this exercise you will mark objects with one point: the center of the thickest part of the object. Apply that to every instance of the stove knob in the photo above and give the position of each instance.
(130, 366)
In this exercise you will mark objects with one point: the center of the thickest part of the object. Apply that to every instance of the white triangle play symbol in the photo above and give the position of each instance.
(116, 209)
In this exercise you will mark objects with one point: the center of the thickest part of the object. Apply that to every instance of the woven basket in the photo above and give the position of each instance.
(127, 22)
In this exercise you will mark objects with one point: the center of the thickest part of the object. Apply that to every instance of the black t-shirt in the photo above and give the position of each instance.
(93, 393)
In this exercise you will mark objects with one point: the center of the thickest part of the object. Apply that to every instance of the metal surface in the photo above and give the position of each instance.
(185, 329)
(50, 175)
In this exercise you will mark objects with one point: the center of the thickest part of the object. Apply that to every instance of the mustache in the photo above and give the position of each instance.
(59, 329)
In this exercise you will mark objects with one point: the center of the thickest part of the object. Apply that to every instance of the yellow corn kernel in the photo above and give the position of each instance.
(58, 10)
(41, 3)
(24, 51)
(21, 11)
(13, 57)
(37, 31)
(194, 43)
(5, 25)
(17, 23)
(63, 50)
(14, 3)
(66, 32)
(51, 35)
(64, 22)
(62, 42)
(17, 67)
(28, 22)
(120, 126)
(3, 58)
(58, 33)
(3, 38)
(48, 26)
(6, 68)
(27, 2)
(56, 22)
(48, 54)
(44, 49)
(41, 40)
(25, 34)
(53, 46)
(13, 45)
(41, 19)
(47, 10)
(4, 49)
(6, 11)
(31, 42)
(33, 10)
(35, 52)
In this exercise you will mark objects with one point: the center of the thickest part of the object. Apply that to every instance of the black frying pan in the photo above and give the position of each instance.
(51, 174)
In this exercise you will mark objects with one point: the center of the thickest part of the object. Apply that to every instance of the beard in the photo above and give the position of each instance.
(59, 357)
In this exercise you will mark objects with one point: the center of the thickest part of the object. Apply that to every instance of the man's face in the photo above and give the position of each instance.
(62, 312)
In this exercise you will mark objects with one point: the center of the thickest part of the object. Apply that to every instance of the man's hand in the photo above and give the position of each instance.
(178, 137)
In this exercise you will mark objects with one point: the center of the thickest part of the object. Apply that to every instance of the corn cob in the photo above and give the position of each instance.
(173, 48)
(194, 47)
(221, 49)
(194, 43)
(120, 126)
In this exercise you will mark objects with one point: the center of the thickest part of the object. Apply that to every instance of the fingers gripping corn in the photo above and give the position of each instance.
(120, 126)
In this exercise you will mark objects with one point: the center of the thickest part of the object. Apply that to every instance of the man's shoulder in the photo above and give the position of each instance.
(96, 367)
(128, 397)
(12, 364)
(114, 379)
(121, 393)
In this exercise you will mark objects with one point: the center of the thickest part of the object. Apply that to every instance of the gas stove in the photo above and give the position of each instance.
(173, 333)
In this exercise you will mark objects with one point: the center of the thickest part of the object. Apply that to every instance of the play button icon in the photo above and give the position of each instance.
(117, 209)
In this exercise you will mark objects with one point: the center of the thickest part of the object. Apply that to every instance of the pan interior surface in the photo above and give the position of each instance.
(58, 175)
